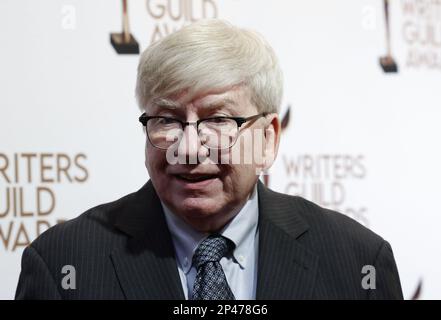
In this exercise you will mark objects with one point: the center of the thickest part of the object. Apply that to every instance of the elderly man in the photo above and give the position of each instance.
(204, 227)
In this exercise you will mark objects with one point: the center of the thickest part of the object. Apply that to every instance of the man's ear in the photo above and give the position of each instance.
(272, 132)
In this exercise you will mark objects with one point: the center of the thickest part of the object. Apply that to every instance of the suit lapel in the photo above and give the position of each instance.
(146, 268)
(286, 269)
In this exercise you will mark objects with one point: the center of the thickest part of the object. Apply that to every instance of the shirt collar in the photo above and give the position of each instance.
(241, 230)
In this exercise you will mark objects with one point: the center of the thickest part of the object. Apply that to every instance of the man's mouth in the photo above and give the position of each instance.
(195, 177)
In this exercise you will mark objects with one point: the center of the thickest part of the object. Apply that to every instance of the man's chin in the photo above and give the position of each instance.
(197, 207)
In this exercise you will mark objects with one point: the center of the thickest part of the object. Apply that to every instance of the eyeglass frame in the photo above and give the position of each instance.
(144, 118)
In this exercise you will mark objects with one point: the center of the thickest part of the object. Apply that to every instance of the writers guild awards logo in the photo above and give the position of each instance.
(124, 42)
(166, 16)
(421, 31)
(29, 182)
(388, 63)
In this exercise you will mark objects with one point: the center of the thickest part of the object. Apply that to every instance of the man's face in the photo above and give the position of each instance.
(207, 195)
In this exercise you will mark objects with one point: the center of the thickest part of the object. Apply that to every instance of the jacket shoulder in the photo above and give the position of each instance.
(95, 223)
(329, 225)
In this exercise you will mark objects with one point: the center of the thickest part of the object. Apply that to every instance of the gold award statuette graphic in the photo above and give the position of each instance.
(124, 42)
(387, 62)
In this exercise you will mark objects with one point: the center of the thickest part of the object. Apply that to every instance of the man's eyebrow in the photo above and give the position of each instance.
(220, 103)
(166, 103)
(171, 104)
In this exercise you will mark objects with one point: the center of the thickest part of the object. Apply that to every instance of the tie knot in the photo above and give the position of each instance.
(212, 249)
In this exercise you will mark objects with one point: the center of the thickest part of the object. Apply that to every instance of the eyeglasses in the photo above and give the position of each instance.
(214, 133)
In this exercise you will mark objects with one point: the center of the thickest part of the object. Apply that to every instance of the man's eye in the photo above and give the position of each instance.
(167, 121)
(219, 120)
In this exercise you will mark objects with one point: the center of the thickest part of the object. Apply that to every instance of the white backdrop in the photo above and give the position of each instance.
(359, 140)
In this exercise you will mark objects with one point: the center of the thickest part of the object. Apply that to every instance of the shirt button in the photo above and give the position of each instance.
(241, 258)
(185, 262)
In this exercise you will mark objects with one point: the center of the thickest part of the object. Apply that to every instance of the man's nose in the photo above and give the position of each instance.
(190, 145)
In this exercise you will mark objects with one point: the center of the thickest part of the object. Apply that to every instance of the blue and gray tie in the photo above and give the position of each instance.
(210, 282)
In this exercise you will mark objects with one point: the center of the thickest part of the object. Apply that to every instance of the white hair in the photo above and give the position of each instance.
(210, 54)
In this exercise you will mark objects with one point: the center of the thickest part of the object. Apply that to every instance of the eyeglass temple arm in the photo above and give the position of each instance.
(241, 121)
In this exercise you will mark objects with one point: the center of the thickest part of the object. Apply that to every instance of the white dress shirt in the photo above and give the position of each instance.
(240, 267)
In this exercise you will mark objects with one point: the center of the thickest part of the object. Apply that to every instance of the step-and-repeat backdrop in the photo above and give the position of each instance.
(361, 113)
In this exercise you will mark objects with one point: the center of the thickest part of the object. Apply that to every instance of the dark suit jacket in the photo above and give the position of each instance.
(123, 250)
